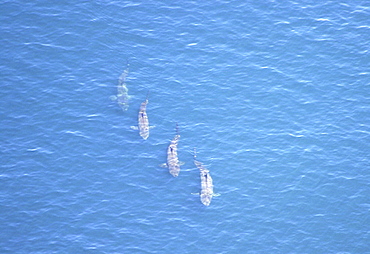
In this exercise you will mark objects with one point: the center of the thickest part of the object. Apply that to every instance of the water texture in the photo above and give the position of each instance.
(275, 96)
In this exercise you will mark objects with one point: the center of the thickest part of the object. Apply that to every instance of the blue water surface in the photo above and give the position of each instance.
(275, 96)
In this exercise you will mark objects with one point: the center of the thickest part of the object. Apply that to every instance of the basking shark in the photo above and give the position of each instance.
(143, 122)
(122, 90)
(173, 163)
(206, 193)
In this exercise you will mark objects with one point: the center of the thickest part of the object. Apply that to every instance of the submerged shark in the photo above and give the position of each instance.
(143, 121)
(122, 90)
(206, 193)
(173, 163)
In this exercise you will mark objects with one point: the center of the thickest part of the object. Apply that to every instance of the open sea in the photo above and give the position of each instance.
(274, 95)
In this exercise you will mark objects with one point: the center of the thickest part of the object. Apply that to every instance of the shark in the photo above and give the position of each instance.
(122, 90)
(173, 163)
(143, 122)
(206, 193)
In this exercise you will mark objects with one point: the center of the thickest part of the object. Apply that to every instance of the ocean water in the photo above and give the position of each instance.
(275, 96)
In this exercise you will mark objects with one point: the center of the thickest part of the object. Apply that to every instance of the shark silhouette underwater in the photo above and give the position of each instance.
(206, 192)
(143, 121)
(122, 97)
(173, 164)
